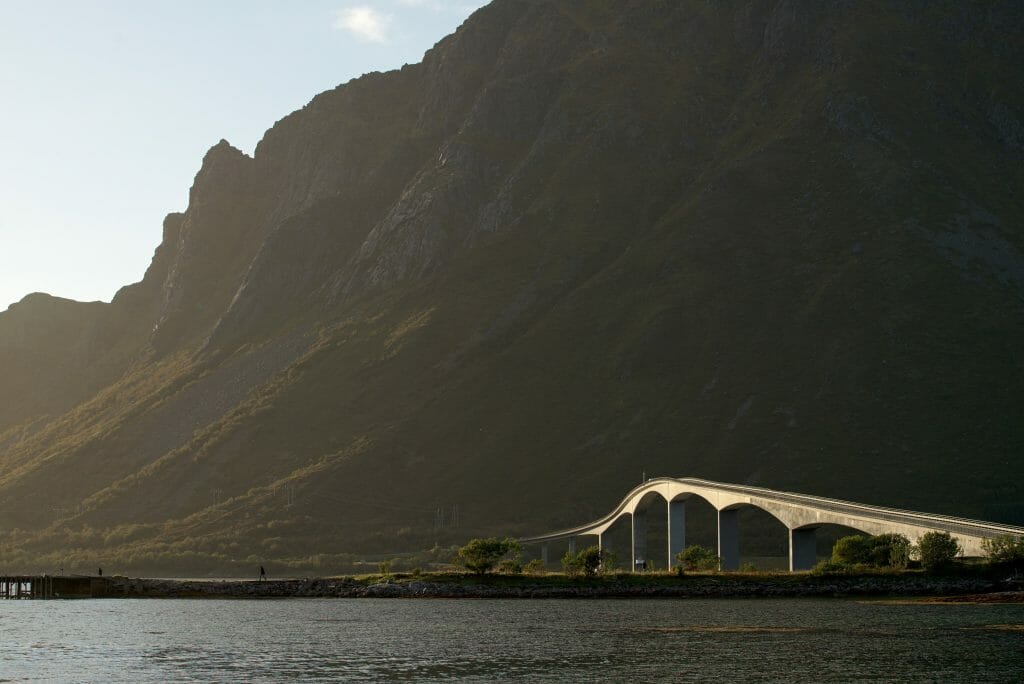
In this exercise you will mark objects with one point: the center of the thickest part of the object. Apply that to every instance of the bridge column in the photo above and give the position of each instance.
(544, 554)
(639, 537)
(803, 549)
(729, 539)
(572, 544)
(676, 531)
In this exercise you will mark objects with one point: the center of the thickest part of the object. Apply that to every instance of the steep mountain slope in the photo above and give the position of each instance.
(775, 243)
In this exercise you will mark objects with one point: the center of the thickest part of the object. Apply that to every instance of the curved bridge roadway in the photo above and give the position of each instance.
(802, 514)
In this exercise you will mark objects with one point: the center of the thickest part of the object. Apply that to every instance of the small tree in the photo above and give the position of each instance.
(697, 557)
(1005, 550)
(481, 555)
(571, 565)
(937, 550)
(588, 561)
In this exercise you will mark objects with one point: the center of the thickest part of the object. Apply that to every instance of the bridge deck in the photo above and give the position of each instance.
(800, 513)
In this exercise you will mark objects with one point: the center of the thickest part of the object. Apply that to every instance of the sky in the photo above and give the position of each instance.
(107, 108)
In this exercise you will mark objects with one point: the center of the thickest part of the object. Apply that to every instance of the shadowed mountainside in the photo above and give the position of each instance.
(776, 243)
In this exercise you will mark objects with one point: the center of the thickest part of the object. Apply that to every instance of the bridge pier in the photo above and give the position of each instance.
(572, 545)
(729, 539)
(639, 537)
(544, 554)
(803, 549)
(676, 531)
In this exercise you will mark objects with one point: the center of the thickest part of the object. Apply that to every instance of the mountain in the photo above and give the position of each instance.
(777, 243)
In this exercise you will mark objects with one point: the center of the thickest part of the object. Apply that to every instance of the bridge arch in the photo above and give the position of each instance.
(801, 514)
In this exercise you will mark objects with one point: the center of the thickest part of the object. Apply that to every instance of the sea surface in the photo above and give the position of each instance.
(428, 640)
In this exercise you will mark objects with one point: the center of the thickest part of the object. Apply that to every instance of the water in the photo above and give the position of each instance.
(511, 640)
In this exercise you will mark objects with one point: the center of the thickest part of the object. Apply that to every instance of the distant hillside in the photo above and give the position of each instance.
(777, 243)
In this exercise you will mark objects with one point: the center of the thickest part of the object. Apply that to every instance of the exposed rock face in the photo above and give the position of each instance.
(776, 243)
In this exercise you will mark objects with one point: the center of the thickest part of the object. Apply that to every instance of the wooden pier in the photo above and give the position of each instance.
(15, 587)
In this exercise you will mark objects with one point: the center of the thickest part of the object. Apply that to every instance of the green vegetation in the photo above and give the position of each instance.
(1005, 550)
(879, 551)
(535, 567)
(937, 550)
(588, 562)
(482, 555)
(698, 557)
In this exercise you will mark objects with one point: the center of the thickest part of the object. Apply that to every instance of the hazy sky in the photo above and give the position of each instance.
(107, 107)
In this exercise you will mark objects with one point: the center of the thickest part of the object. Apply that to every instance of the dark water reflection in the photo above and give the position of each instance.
(486, 641)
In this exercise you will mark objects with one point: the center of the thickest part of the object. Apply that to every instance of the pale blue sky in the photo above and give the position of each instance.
(107, 107)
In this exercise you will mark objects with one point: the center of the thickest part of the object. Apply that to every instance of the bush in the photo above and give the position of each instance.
(880, 551)
(481, 555)
(937, 550)
(698, 557)
(535, 567)
(1005, 550)
(510, 566)
(828, 567)
(852, 550)
(588, 561)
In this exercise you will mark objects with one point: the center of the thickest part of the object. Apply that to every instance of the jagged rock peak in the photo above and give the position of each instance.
(222, 149)
(223, 164)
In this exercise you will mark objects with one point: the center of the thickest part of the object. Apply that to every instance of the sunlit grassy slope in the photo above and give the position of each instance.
(772, 244)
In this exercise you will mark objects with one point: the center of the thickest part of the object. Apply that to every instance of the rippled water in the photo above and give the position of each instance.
(511, 640)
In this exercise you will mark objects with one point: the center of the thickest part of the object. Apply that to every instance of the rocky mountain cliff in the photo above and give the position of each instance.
(777, 243)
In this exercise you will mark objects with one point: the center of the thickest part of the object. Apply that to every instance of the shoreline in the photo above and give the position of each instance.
(916, 589)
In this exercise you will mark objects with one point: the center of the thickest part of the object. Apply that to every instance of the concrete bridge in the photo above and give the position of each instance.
(802, 514)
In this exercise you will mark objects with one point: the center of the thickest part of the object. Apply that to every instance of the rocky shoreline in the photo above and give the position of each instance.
(953, 588)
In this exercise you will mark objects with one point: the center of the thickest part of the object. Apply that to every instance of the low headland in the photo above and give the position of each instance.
(916, 586)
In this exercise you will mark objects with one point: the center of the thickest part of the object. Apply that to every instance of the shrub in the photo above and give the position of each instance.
(937, 550)
(481, 555)
(535, 567)
(1005, 550)
(697, 557)
(571, 564)
(880, 551)
(852, 550)
(588, 561)
(510, 566)
(828, 567)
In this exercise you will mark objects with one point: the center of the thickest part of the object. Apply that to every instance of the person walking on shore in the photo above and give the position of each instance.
(263, 574)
